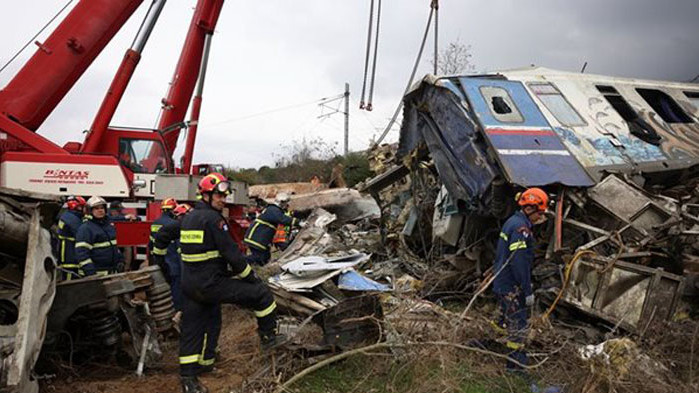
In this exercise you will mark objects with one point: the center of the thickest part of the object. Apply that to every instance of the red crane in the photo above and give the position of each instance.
(110, 159)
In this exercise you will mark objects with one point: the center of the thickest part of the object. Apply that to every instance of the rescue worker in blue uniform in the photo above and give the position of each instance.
(513, 264)
(166, 252)
(261, 232)
(68, 225)
(214, 272)
(167, 216)
(95, 242)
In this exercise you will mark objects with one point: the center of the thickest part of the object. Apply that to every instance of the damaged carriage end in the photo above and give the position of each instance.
(27, 284)
(488, 136)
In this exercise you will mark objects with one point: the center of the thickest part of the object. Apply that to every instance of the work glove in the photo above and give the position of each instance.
(120, 267)
(529, 300)
(302, 224)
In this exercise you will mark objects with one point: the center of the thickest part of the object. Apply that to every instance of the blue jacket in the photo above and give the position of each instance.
(515, 238)
(68, 225)
(262, 230)
(96, 246)
(172, 257)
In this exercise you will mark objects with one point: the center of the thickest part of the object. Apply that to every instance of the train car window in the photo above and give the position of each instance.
(557, 104)
(664, 106)
(693, 97)
(501, 105)
(637, 126)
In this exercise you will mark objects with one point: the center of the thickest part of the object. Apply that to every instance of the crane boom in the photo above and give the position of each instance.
(188, 67)
(60, 61)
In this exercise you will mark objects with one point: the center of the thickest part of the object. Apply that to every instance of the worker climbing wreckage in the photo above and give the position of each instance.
(260, 236)
(215, 272)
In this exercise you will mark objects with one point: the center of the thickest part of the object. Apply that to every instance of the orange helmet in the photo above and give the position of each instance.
(75, 202)
(168, 204)
(182, 209)
(536, 197)
(214, 182)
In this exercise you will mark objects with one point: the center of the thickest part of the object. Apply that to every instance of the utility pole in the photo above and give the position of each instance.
(324, 105)
(347, 97)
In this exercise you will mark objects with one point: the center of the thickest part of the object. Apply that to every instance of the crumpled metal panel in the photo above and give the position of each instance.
(435, 116)
(528, 149)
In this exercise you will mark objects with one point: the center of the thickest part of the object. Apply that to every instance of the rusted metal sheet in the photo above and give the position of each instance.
(632, 296)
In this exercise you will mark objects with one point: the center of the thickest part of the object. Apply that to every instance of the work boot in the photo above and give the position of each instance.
(271, 341)
(192, 385)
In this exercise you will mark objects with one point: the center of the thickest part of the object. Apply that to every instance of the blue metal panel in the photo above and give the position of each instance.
(529, 151)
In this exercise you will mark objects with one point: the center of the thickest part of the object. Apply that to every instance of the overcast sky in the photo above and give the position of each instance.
(272, 54)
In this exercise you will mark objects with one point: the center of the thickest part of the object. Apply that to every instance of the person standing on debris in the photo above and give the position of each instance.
(260, 234)
(512, 268)
(95, 246)
(165, 252)
(68, 225)
(214, 272)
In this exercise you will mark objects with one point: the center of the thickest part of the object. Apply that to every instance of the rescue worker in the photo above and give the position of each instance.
(259, 235)
(214, 272)
(68, 225)
(166, 252)
(282, 237)
(167, 216)
(512, 267)
(95, 245)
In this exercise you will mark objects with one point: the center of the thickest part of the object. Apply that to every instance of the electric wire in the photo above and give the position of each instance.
(370, 105)
(368, 51)
(412, 76)
(36, 35)
(274, 110)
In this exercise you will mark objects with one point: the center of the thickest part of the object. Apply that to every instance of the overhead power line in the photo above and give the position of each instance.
(412, 75)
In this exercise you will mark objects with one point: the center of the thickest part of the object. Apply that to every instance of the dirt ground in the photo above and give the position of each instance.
(239, 358)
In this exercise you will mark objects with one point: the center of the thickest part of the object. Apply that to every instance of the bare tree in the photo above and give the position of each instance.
(455, 59)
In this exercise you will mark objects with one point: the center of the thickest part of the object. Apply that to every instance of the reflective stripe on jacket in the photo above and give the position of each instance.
(206, 243)
(261, 232)
(516, 244)
(96, 246)
(68, 225)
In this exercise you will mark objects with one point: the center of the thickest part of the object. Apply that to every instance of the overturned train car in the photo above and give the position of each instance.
(620, 155)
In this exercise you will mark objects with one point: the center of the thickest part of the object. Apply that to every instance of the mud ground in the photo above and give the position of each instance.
(240, 357)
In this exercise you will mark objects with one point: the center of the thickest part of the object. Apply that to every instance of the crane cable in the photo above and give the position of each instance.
(412, 75)
(368, 51)
(435, 5)
(369, 105)
(36, 35)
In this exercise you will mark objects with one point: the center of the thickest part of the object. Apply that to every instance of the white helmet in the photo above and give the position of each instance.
(96, 201)
(281, 198)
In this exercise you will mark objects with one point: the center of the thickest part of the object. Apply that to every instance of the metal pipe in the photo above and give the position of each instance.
(147, 26)
(121, 80)
(196, 108)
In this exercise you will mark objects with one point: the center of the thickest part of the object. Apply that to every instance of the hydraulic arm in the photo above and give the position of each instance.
(61, 60)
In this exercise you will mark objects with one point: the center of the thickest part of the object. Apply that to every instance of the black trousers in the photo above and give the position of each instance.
(258, 257)
(202, 297)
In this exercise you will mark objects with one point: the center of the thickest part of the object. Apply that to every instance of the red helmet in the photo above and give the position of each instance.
(168, 204)
(214, 182)
(535, 197)
(75, 202)
(182, 209)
